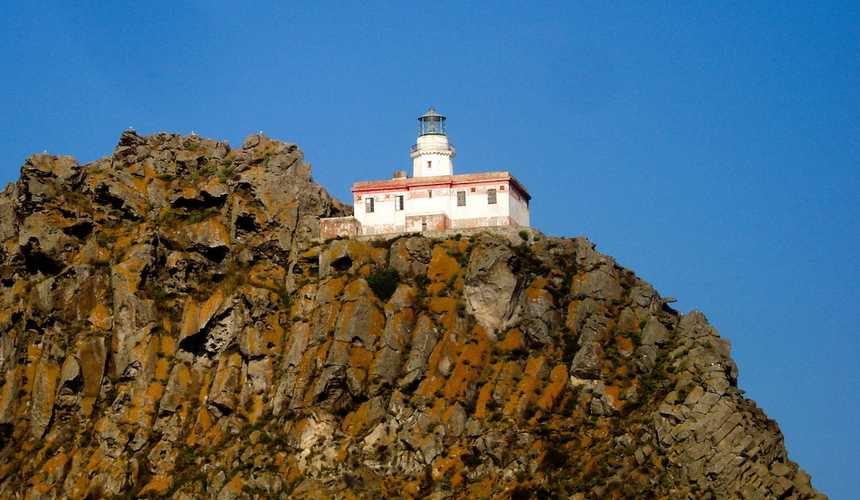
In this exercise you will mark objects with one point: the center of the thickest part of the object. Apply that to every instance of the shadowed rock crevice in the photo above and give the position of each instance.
(215, 254)
(79, 230)
(104, 197)
(36, 261)
(202, 202)
(246, 224)
(342, 264)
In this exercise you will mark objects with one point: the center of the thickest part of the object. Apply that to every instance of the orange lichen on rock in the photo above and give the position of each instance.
(51, 472)
(194, 317)
(330, 289)
(554, 389)
(266, 275)
(624, 344)
(157, 486)
(442, 266)
(526, 391)
(235, 486)
(446, 307)
(485, 393)
(449, 465)
(469, 365)
(166, 345)
(613, 394)
(512, 342)
(100, 317)
(44, 392)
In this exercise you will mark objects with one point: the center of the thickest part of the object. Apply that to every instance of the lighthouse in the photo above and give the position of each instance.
(432, 154)
(433, 199)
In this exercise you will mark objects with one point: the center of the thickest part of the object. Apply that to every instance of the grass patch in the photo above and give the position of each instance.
(201, 215)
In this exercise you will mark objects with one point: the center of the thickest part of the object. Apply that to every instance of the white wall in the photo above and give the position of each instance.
(520, 210)
(476, 203)
(440, 164)
(509, 207)
(383, 214)
(435, 149)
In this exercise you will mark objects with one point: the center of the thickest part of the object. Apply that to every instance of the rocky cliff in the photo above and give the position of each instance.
(171, 326)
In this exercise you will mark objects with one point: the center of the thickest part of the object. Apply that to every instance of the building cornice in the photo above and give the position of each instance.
(439, 181)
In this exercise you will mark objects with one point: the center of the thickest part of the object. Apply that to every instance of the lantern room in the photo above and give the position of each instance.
(431, 122)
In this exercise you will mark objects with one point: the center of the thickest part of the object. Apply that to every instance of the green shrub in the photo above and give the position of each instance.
(463, 260)
(524, 235)
(384, 282)
(200, 215)
(160, 295)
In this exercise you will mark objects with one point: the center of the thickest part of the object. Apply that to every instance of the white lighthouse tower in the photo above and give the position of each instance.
(432, 154)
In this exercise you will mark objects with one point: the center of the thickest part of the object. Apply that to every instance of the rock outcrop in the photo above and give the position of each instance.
(170, 325)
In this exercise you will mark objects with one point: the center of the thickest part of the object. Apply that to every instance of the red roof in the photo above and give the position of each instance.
(437, 180)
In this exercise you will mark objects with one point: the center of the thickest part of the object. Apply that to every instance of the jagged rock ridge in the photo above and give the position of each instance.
(170, 326)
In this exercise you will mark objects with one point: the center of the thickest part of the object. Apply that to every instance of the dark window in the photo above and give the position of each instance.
(398, 202)
(368, 205)
(491, 196)
(461, 198)
(429, 164)
(429, 193)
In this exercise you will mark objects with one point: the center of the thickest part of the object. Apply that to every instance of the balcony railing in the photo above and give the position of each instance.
(414, 147)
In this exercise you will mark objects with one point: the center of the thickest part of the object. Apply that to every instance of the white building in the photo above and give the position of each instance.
(433, 198)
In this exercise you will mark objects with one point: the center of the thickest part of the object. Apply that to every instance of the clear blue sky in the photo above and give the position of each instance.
(713, 147)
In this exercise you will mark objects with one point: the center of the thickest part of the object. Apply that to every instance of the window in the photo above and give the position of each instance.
(398, 202)
(368, 205)
(429, 164)
(473, 190)
(501, 188)
(461, 198)
(491, 196)
(429, 193)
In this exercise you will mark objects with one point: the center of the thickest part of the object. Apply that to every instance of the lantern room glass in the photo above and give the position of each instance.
(431, 123)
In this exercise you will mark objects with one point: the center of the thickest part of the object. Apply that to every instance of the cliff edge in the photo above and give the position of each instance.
(171, 325)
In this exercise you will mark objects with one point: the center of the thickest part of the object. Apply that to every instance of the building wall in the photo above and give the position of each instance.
(383, 218)
(510, 208)
(435, 222)
(332, 227)
(477, 205)
(435, 149)
(440, 164)
(429, 200)
(519, 209)
(482, 222)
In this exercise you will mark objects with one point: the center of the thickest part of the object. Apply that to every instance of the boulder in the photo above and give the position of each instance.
(490, 284)
(410, 256)
(587, 362)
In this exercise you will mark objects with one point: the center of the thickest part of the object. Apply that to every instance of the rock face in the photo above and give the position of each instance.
(171, 326)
